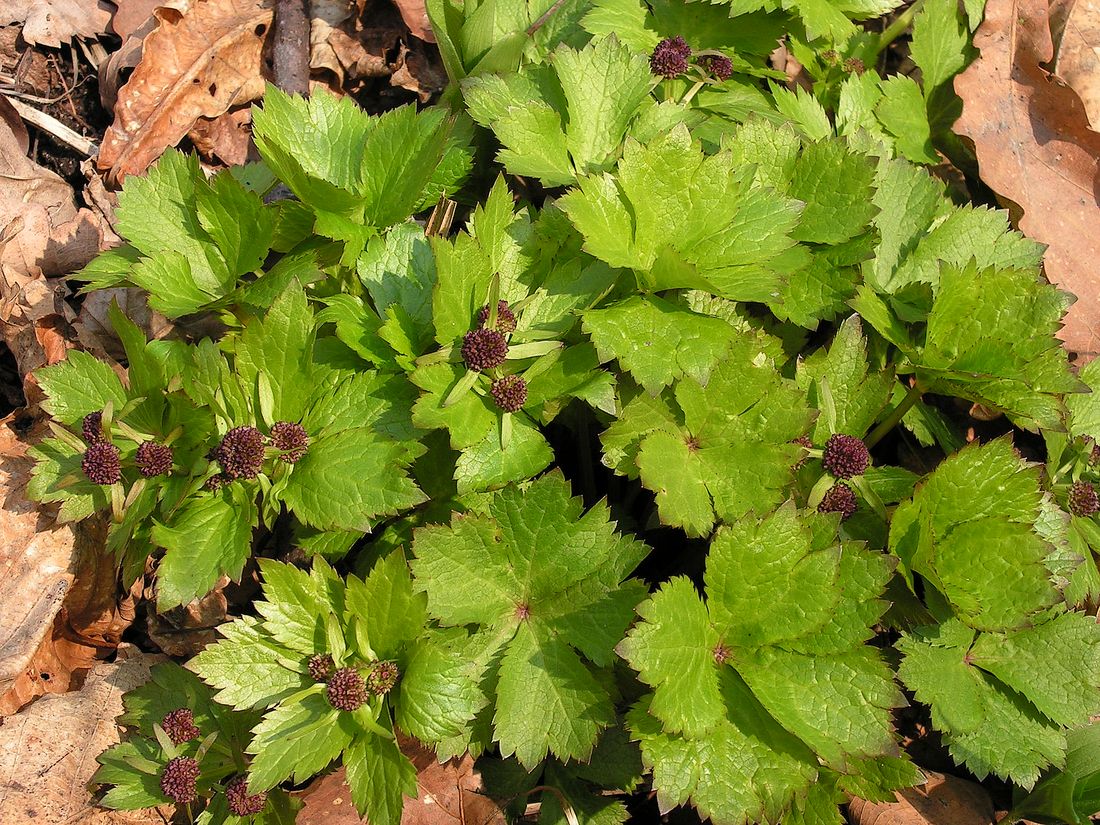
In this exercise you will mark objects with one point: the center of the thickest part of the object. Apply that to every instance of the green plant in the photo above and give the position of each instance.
(746, 303)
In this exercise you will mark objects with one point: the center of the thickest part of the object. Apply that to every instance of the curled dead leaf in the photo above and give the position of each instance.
(196, 64)
(1075, 29)
(1035, 149)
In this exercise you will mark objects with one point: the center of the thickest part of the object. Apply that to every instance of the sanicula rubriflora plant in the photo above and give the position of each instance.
(691, 304)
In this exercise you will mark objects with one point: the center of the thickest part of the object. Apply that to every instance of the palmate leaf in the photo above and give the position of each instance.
(681, 219)
(526, 573)
(1000, 676)
(566, 119)
(752, 688)
(342, 161)
(717, 451)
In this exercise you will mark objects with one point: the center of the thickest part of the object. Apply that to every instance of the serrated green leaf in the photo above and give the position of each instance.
(987, 728)
(939, 44)
(657, 342)
(385, 604)
(79, 385)
(350, 478)
(379, 775)
(210, 537)
(297, 740)
(248, 667)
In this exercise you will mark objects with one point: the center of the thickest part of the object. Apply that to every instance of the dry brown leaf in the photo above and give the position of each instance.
(58, 603)
(131, 15)
(197, 64)
(53, 22)
(37, 559)
(49, 750)
(415, 15)
(10, 118)
(420, 71)
(93, 327)
(1075, 27)
(1035, 149)
(54, 236)
(228, 137)
(184, 631)
(449, 794)
(942, 800)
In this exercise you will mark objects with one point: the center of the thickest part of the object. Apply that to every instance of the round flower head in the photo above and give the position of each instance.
(1083, 500)
(320, 667)
(241, 453)
(101, 463)
(179, 724)
(509, 393)
(853, 65)
(177, 781)
(240, 801)
(718, 65)
(670, 58)
(153, 459)
(345, 689)
(382, 677)
(290, 439)
(845, 456)
(839, 499)
(216, 482)
(92, 427)
(506, 319)
(483, 349)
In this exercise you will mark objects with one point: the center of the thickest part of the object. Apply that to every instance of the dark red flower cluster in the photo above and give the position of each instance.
(178, 779)
(180, 726)
(509, 393)
(670, 58)
(845, 456)
(240, 801)
(483, 349)
(101, 463)
(506, 319)
(345, 689)
(1083, 500)
(241, 453)
(839, 499)
(153, 459)
(291, 440)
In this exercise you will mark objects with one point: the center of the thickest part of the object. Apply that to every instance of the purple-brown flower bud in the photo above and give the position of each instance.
(670, 58)
(178, 779)
(509, 393)
(483, 349)
(241, 453)
(101, 463)
(153, 459)
(845, 456)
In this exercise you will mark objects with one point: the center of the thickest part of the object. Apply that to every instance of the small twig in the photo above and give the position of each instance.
(290, 52)
(4, 90)
(61, 79)
(55, 127)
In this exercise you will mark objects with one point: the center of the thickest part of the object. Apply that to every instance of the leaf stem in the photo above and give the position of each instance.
(898, 27)
(891, 421)
(686, 99)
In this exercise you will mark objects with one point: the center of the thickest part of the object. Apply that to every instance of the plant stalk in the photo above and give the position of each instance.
(895, 416)
(897, 28)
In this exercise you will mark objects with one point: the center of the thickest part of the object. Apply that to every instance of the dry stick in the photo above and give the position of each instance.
(55, 127)
(290, 52)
